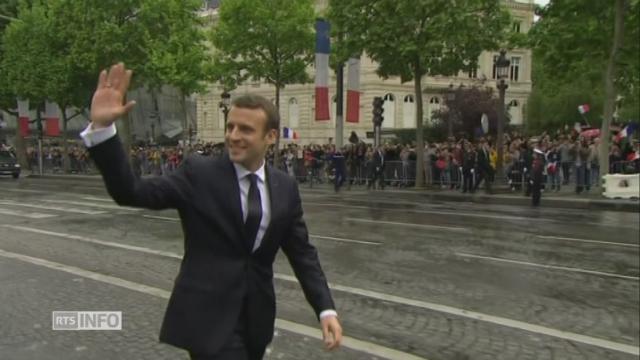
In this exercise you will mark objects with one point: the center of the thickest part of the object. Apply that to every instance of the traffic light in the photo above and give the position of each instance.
(378, 110)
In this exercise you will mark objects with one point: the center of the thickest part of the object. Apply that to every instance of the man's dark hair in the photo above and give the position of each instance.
(253, 102)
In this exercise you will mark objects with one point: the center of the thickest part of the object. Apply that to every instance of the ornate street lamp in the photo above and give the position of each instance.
(225, 105)
(502, 76)
(451, 97)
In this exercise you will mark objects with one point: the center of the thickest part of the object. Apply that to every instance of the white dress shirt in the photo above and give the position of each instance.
(93, 137)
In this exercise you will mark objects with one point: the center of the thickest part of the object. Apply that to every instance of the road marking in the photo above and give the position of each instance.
(56, 208)
(102, 206)
(586, 241)
(320, 237)
(497, 320)
(554, 267)
(30, 215)
(25, 191)
(374, 243)
(95, 198)
(349, 342)
(520, 325)
(161, 217)
(498, 217)
(424, 226)
(96, 241)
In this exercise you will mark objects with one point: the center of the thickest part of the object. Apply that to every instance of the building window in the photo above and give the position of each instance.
(409, 112)
(494, 74)
(516, 27)
(389, 115)
(515, 69)
(514, 103)
(473, 73)
(294, 113)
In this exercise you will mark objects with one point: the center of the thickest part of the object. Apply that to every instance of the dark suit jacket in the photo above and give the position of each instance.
(218, 272)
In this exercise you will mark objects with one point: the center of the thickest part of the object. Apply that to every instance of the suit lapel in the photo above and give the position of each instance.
(273, 186)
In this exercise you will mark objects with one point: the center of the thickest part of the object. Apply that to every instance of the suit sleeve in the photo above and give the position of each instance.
(125, 188)
(303, 257)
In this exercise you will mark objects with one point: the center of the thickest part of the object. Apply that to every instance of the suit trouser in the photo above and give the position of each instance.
(236, 348)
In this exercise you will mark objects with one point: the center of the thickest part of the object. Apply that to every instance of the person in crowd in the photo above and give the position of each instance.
(537, 169)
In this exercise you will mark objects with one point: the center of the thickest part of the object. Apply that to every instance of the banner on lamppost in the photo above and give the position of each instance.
(23, 117)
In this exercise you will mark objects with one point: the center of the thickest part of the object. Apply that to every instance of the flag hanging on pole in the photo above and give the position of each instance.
(289, 133)
(51, 114)
(353, 90)
(322, 70)
(583, 109)
(23, 117)
(626, 132)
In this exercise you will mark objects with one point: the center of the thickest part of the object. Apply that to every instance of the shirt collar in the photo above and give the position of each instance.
(242, 172)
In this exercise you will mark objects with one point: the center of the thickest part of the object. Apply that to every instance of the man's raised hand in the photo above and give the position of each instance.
(107, 103)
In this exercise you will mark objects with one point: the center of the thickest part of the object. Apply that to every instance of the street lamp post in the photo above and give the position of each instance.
(451, 97)
(502, 74)
(225, 105)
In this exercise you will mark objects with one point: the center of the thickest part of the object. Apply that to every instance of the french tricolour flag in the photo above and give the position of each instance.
(626, 132)
(289, 133)
(322, 70)
(353, 90)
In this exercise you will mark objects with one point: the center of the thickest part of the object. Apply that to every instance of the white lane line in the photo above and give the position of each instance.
(95, 241)
(30, 215)
(88, 204)
(56, 208)
(424, 226)
(320, 237)
(161, 217)
(553, 267)
(434, 212)
(586, 241)
(497, 320)
(25, 191)
(521, 325)
(349, 342)
(95, 198)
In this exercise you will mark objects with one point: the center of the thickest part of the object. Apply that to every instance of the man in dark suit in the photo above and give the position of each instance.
(378, 169)
(236, 213)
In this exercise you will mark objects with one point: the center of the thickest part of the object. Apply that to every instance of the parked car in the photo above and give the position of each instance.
(9, 164)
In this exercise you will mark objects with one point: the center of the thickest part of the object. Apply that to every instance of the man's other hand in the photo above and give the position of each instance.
(331, 332)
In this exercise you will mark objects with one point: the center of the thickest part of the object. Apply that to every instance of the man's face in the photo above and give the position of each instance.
(246, 136)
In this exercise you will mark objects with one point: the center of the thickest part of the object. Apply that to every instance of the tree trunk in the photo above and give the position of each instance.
(276, 153)
(610, 91)
(21, 149)
(417, 74)
(186, 133)
(124, 129)
(65, 147)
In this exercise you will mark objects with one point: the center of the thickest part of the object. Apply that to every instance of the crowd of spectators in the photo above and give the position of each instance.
(450, 164)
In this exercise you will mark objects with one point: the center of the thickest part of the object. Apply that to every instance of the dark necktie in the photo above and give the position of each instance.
(254, 211)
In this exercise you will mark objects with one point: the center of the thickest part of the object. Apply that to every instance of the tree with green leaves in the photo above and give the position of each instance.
(58, 47)
(411, 39)
(594, 44)
(269, 40)
(465, 110)
(176, 50)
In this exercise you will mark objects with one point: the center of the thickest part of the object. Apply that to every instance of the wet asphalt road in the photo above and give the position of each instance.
(432, 280)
